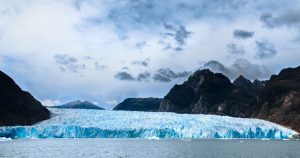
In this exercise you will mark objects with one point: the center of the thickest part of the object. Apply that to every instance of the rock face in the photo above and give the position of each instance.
(18, 107)
(276, 100)
(280, 99)
(244, 98)
(139, 104)
(212, 93)
(79, 105)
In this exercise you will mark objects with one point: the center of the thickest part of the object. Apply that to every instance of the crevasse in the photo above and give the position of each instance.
(79, 123)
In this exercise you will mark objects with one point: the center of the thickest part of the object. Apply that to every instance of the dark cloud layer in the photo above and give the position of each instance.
(149, 13)
(161, 75)
(178, 36)
(242, 34)
(167, 75)
(269, 20)
(69, 63)
(240, 67)
(232, 48)
(125, 76)
(289, 18)
(265, 49)
(144, 76)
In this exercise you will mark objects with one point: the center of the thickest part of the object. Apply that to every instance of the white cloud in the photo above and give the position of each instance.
(32, 32)
(112, 102)
(50, 102)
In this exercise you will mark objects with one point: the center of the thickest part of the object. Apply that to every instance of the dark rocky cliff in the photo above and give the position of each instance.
(139, 104)
(18, 107)
(280, 99)
(205, 92)
(212, 93)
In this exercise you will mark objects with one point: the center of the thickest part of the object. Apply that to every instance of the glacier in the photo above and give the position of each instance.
(82, 123)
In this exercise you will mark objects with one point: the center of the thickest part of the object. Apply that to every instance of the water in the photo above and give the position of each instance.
(143, 148)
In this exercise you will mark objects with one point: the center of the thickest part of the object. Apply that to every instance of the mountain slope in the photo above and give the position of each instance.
(18, 107)
(280, 100)
(206, 92)
(139, 104)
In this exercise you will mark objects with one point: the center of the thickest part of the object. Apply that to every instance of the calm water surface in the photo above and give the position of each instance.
(142, 148)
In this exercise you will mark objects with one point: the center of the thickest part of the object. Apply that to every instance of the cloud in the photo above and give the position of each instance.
(65, 59)
(218, 67)
(167, 75)
(239, 67)
(140, 45)
(175, 38)
(242, 34)
(115, 33)
(142, 13)
(99, 66)
(265, 49)
(88, 58)
(290, 18)
(235, 50)
(180, 33)
(161, 78)
(143, 62)
(125, 68)
(124, 76)
(50, 102)
(144, 76)
(268, 20)
(69, 63)
(112, 102)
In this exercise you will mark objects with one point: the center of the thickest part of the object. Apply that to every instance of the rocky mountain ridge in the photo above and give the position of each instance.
(205, 92)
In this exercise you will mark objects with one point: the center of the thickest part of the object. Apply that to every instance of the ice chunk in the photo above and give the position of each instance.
(4, 139)
(78, 123)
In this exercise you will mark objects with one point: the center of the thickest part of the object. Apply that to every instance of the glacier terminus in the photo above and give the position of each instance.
(79, 123)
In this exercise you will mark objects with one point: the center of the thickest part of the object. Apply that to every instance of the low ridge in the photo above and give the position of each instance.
(139, 104)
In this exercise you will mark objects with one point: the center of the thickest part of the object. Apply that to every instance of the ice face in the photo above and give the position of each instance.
(78, 123)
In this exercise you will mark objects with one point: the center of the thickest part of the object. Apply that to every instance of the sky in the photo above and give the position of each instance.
(105, 51)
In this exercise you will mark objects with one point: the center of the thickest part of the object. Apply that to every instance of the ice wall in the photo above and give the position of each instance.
(76, 123)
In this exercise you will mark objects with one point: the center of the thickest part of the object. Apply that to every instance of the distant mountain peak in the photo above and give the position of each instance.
(243, 82)
(78, 104)
(139, 104)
